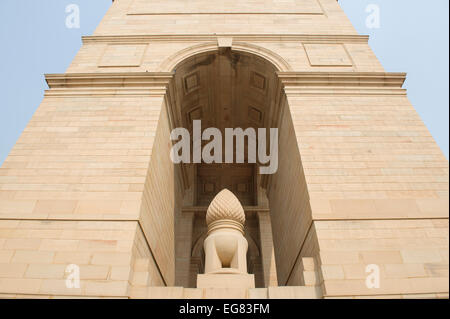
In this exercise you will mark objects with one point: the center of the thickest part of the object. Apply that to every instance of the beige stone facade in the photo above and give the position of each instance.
(90, 182)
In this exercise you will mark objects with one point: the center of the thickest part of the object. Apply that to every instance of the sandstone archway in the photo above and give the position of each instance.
(227, 88)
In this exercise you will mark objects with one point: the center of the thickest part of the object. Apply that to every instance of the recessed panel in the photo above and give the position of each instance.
(123, 55)
(208, 188)
(255, 115)
(194, 114)
(320, 54)
(191, 83)
(242, 187)
(238, 178)
(258, 81)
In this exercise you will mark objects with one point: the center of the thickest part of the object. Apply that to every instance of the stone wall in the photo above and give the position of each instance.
(131, 17)
(412, 256)
(90, 182)
(71, 192)
(287, 192)
(162, 198)
(35, 255)
(378, 189)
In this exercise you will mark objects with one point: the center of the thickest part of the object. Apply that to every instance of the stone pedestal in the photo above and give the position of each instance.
(245, 281)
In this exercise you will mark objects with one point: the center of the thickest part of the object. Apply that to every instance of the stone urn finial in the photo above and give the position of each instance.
(225, 246)
(225, 209)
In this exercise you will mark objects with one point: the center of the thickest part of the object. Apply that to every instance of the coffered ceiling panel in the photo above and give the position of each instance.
(238, 178)
(225, 89)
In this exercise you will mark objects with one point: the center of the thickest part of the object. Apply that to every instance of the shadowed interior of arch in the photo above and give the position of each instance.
(223, 89)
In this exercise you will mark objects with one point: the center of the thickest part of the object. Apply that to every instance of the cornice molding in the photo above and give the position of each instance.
(316, 38)
(339, 83)
(294, 83)
(129, 83)
(109, 79)
(376, 79)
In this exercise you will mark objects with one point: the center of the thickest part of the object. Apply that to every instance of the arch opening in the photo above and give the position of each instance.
(225, 89)
(180, 57)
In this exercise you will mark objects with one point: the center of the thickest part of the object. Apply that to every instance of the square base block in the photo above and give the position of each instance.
(246, 281)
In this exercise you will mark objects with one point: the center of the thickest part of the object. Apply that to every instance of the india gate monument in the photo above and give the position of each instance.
(251, 149)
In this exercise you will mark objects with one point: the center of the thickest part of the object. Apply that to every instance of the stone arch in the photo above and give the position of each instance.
(171, 63)
(200, 89)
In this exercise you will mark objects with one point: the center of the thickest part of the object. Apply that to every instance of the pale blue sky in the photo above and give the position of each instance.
(413, 38)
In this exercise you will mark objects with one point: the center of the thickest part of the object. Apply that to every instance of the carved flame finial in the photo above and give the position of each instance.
(225, 206)
(225, 245)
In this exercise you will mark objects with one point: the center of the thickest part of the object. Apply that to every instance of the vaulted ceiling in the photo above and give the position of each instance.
(225, 89)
